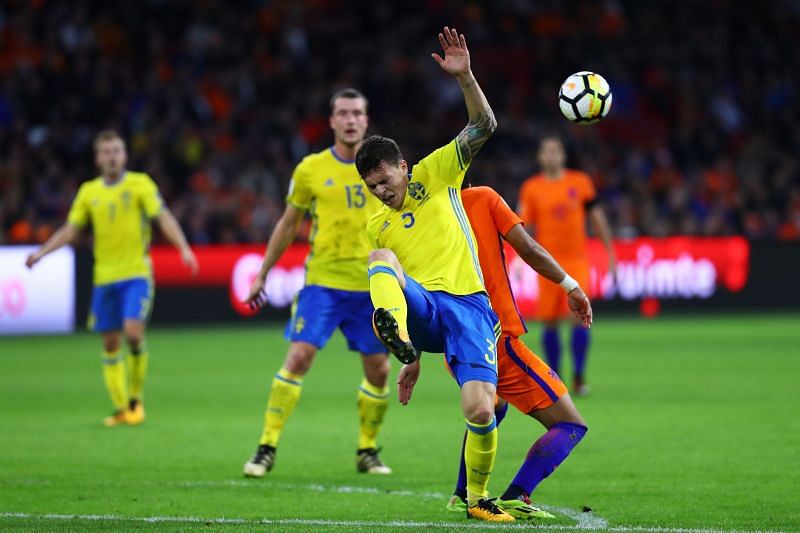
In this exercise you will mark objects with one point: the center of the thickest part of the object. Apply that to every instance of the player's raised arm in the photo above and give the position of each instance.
(545, 265)
(482, 122)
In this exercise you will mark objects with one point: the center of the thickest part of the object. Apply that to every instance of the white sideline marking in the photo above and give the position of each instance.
(344, 523)
(341, 489)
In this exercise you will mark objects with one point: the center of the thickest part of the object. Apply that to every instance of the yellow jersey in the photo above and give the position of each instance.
(430, 233)
(331, 190)
(120, 215)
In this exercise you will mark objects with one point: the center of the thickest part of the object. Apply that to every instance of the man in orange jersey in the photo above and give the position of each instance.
(524, 380)
(554, 206)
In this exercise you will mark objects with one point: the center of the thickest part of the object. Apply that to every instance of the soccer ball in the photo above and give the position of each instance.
(585, 97)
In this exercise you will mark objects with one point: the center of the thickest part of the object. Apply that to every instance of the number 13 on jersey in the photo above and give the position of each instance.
(355, 196)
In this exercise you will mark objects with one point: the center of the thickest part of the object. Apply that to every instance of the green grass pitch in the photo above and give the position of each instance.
(693, 424)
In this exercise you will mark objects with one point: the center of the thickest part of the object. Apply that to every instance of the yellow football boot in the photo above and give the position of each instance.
(118, 418)
(136, 413)
(486, 510)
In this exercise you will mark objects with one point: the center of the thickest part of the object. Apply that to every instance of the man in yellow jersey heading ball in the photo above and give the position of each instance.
(336, 292)
(425, 278)
(120, 204)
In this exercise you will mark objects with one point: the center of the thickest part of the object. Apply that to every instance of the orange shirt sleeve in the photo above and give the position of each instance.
(589, 192)
(504, 218)
(526, 207)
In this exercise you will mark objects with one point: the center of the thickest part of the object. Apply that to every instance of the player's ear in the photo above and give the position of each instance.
(403, 166)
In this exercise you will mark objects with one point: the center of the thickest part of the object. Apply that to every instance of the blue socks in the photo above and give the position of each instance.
(552, 348)
(544, 457)
(580, 346)
(461, 483)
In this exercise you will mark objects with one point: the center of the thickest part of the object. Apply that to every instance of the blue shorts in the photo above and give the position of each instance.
(463, 328)
(113, 303)
(318, 311)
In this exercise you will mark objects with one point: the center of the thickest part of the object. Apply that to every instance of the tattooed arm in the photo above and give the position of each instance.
(481, 117)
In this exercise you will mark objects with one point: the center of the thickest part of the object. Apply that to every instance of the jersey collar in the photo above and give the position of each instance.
(120, 180)
(341, 159)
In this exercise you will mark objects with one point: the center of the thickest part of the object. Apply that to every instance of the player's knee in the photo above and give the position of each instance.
(385, 255)
(376, 370)
(480, 415)
(300, 358)
(111, 344)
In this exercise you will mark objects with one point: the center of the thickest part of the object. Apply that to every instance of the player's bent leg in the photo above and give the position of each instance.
(284, 395)
(566, 428)
(390, 319)
(373, 401)
(137, 360)
(115, 379)
(562, 411)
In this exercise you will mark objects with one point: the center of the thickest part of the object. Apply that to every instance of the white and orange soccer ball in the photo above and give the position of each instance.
(585, 97)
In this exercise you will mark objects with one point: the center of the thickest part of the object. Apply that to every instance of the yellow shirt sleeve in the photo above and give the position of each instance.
(150, 198)
(446, 164)
(79, 212)
(299, 190)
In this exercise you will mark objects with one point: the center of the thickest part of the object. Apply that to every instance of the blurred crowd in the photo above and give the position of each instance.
(219, 100)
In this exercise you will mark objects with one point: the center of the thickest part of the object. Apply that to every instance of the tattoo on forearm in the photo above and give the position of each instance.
(475, 134)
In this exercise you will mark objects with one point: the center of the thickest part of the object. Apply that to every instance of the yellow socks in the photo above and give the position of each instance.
(479, 451)
(385, 292)
(137, 370)
(372, 404)
(286, 388)
(116, 382)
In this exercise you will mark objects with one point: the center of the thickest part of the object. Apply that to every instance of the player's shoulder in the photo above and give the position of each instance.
(137, 179)
(530, 187)
(444, 152)
(533, 180)
(481, 193)
(91, 186)
(323, 157)
(577, 175)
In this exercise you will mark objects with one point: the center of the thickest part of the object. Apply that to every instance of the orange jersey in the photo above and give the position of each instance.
(557, 210)
(491, 220)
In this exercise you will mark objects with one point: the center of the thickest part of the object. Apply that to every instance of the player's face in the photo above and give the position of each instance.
(552, 157)
(349, 120)
(111, 157)
(389, 183)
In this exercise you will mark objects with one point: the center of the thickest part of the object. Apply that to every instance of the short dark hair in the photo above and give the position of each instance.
(551, 136)
(374, 151)
(349, 92)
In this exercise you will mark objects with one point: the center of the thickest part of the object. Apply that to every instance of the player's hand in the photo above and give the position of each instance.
(190, 261)
(406, 380)
(258, 295)
(32, 260)
(580, 306)
(456, 55)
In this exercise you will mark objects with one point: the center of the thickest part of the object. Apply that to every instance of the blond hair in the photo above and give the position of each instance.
(107, 135)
